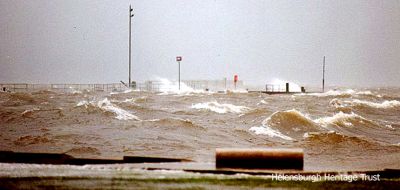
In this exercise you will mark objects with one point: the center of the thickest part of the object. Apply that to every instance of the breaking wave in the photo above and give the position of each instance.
(106, 106)
(292, 124)
(262, 102)
(344, 120)
(329, 140)
(342, 93)
(387, 104)
(288, 125)
(220, 108)
(265, 130)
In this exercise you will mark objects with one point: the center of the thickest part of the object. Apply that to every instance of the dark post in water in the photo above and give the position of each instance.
(287, 87)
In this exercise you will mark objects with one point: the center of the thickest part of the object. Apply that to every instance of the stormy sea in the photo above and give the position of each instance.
(339, 130)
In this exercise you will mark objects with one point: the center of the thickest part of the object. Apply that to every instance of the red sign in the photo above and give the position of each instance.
(235, 78)
(178, 58)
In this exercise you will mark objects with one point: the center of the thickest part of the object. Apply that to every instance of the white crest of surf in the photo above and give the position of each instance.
(238, 91)
(106, 105)
(274, 120)
(83, 103)
(220, 108)
(262, 102)
(340, 119)
(387, 104)
(347, 92)
(265, 130)
(29, 111)
(384, 105)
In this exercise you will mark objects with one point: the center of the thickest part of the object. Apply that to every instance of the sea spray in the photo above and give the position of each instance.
(293, 87)
(168, 87)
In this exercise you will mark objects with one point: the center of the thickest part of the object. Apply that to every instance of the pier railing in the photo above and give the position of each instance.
(22, 87)
(275, 88)
(279, 88)
(151, 86)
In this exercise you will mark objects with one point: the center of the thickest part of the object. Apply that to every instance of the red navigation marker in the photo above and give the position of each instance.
(235, 78)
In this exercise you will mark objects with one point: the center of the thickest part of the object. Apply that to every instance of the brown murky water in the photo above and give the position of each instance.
(338, 130)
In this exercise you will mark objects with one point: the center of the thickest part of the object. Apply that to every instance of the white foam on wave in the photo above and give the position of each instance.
(265, 130)
(83, 103)
(106, 105)
(292, 115)
(341, 93)
(237, 91)
(364, 93)
(387, 104)
(389, 126)
(29, 111)
(76, 92)
(347, 92)
(121, 114)
(220, 108)
(262, 102)
(340, 119)
(284, 119)
(384, 105)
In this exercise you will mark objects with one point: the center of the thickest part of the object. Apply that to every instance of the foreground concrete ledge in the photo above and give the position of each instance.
(260, 158)
(58, 159)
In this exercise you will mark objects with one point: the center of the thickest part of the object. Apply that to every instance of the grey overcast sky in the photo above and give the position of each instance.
(82, 41)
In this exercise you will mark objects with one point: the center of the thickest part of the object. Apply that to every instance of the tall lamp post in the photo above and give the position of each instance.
(323, 75)
(130, 26)
(179, 59)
